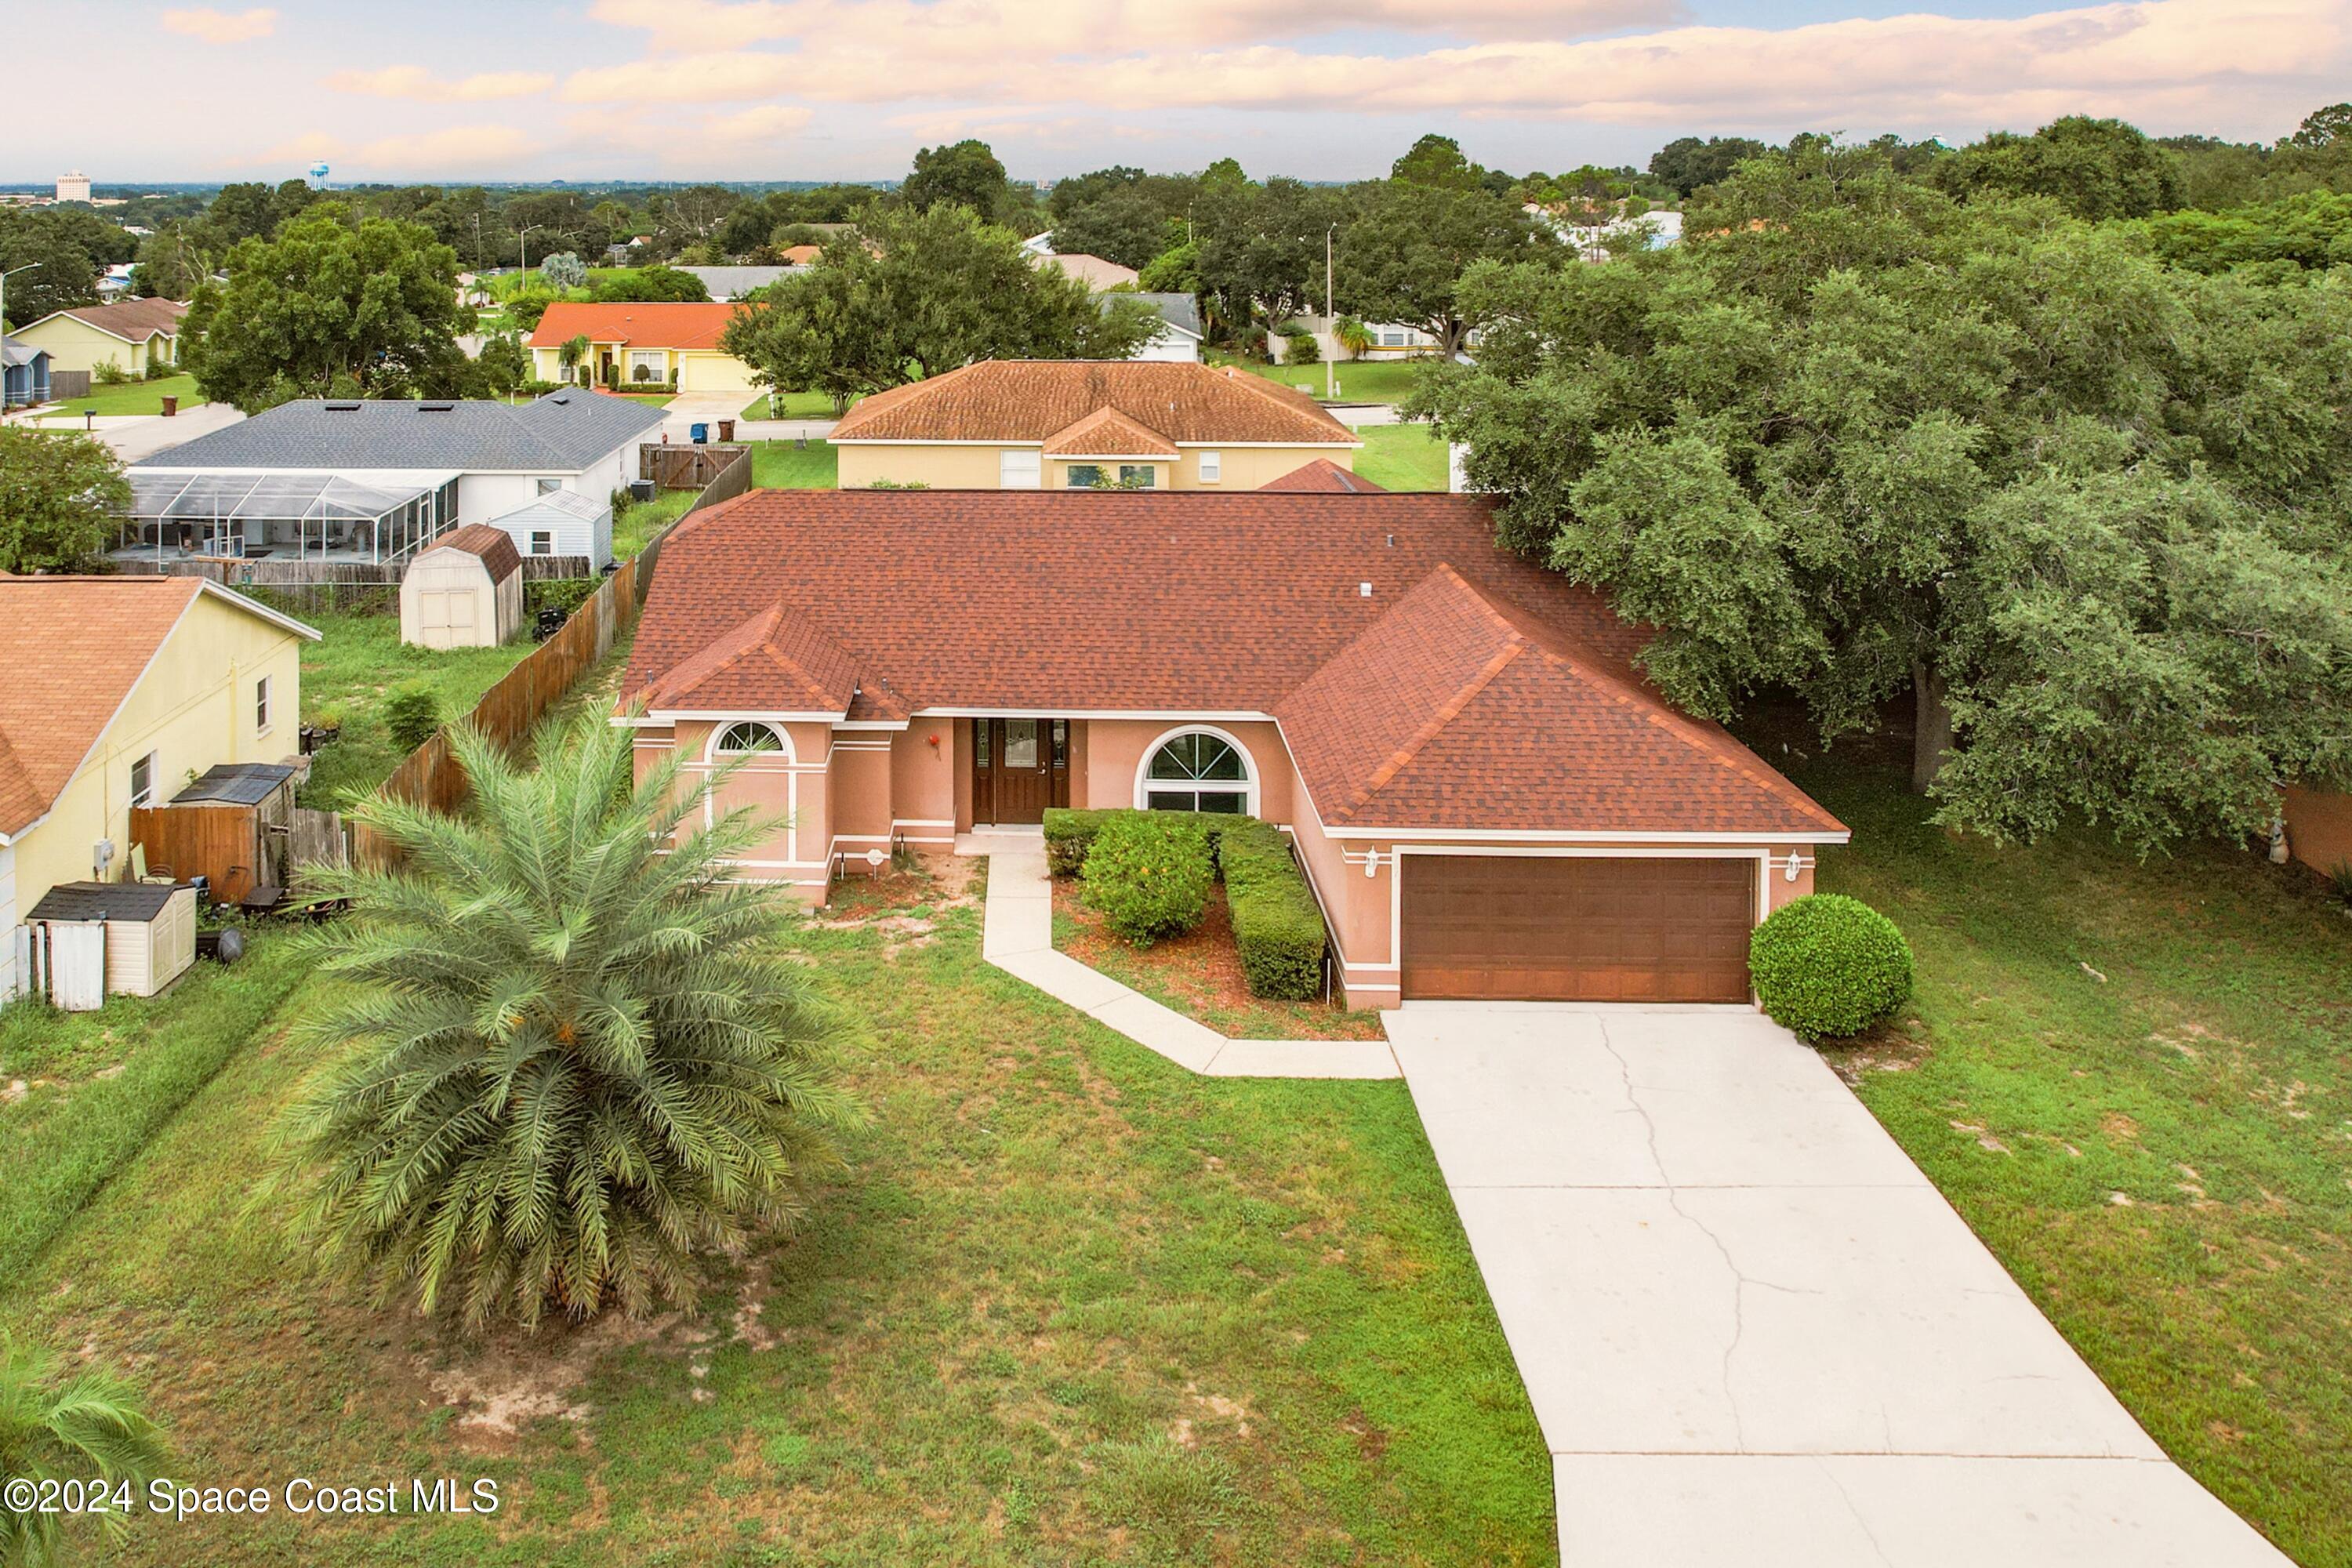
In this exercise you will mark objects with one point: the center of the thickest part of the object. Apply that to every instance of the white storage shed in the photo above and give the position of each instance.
(91, 940)
(463, 591)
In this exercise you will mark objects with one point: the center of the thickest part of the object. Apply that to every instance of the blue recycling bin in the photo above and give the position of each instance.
(701, 435)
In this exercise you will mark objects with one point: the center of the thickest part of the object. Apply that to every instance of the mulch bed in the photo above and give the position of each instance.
(1200, 975)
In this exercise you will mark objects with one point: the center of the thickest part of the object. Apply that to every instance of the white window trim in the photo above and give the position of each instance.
(152, 766)
(711, 754)
(1212, 468)
(265, 708)
(1032, 475)
(1248, 792)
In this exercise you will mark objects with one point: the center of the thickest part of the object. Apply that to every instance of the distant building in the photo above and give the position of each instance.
(73, 187)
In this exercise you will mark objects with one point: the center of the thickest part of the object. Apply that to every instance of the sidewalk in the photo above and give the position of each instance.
(1018, 938)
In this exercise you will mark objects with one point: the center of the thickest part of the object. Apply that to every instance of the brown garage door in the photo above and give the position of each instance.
(1571, 929)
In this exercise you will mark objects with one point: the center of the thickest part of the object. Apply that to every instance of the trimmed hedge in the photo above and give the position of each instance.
(1276, 923)
(1070, 834)
(1827, 967)
(1149, 871)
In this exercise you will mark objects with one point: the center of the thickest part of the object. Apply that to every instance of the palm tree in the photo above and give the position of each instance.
(56, 1426)
(1352, 335)
(571, 1052)
(574, 351)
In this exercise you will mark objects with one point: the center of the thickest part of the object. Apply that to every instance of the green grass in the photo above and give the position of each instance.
(2136, 1083)
(131, 397)
(349, 673)
(786, 466)
(658, 399)
(634, 529)
(98, 1085)
(1070, 1305)
(1361, 381)
(795, 405)
(1402, 458)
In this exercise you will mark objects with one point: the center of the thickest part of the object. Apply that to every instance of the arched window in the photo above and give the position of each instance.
(1197, 770)
(748, 739)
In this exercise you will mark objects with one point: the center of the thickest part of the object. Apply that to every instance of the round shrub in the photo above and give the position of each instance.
(1827, 967)
(1149, 871)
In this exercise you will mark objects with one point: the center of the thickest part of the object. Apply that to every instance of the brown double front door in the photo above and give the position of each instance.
(1019, 767)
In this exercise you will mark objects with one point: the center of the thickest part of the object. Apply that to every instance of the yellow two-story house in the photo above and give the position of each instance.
(1087, 424)
(119, 690)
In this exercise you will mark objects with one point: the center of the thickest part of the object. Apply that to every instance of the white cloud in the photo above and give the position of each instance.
(222, 27)
(416, 82)
(424, 153)
(768, 122)
(2236, 65)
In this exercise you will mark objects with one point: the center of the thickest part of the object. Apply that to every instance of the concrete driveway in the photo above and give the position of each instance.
(1752, 1332)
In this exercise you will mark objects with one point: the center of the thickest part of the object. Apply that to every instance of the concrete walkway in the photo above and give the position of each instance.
(136, 435)
(1018, 938)
(1752, 1331)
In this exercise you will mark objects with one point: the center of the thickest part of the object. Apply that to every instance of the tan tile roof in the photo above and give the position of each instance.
(1108, 433)
(73, 648)
(1323, 474)
(643, 324)
(1030, 400)
(1454, 706)
(494, 545)
(1185, 602)
(133, 320)
(1096, 272)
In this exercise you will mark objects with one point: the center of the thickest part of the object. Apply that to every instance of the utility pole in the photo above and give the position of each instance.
(522, 238)
(1330, 324)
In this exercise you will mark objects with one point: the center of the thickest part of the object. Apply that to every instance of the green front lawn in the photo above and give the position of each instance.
(2136, 1083)
(130, 397)
(351, 671)
(789, 405)
(1361, 381)
(791, 466)
(1069, 1305)
(1402, 458)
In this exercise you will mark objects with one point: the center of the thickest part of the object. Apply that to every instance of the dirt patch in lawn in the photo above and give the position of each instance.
(1199, 974)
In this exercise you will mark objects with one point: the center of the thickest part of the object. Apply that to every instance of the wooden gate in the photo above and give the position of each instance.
(222, 843)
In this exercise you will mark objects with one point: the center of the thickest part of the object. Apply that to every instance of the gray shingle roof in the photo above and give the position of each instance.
(734, 282)
(563, 430)
(1180, 310)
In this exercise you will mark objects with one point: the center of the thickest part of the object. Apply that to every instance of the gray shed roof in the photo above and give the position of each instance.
(569, 505)
(104, 902)
(20, 354)
(1179, 310)
(235, 784)
(563, 430)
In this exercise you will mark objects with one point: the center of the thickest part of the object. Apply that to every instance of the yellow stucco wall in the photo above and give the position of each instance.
(194, 710)
(977, 468)
(77, 345)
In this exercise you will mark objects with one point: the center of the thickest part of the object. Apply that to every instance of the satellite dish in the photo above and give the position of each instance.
(319, 172)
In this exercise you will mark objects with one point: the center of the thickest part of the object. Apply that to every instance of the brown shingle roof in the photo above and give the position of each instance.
(1325, 474)
(1244, 603)
(73, 647)
(1030, 400)
(1108, 433)
(1453, 705)
(494, 545)
(133, 320)
(654, 324)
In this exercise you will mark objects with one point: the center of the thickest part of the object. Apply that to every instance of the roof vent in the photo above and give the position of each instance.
(1363, 590)
(343, 408)
(435, 407)
(559, 398)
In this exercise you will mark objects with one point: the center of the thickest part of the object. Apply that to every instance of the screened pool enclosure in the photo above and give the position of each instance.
(290, 517)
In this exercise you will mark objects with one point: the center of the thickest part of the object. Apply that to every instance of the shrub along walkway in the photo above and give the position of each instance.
(1019, 939)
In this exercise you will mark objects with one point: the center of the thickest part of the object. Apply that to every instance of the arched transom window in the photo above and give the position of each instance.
(1197, 770)
(749, 738)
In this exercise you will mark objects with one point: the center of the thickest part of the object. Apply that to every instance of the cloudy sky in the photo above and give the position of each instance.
(1322, 88)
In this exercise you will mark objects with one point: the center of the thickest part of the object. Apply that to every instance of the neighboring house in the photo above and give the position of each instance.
(728, 283)
(1039, 244)
(120, 689)
(1179, 338)
(1489, 800)
(114, 283)
(464, 590)
(561, 522)
(371, 480)
(23, 373)
(642, 343)
(801, 255)
(1092, 270)
(1390, 340)
(129, 334)
(1075, 423)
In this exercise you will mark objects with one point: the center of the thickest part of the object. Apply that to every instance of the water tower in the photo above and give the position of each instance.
(319, 175)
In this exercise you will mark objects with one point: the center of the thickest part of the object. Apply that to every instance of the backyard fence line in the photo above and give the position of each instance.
(430, 777)
(685, 466)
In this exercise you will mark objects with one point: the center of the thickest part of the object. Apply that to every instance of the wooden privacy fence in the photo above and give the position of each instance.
(227, 845)
(684, 467)
(431, 777)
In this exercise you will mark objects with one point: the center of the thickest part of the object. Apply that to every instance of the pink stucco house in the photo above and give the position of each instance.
(1489, 800)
